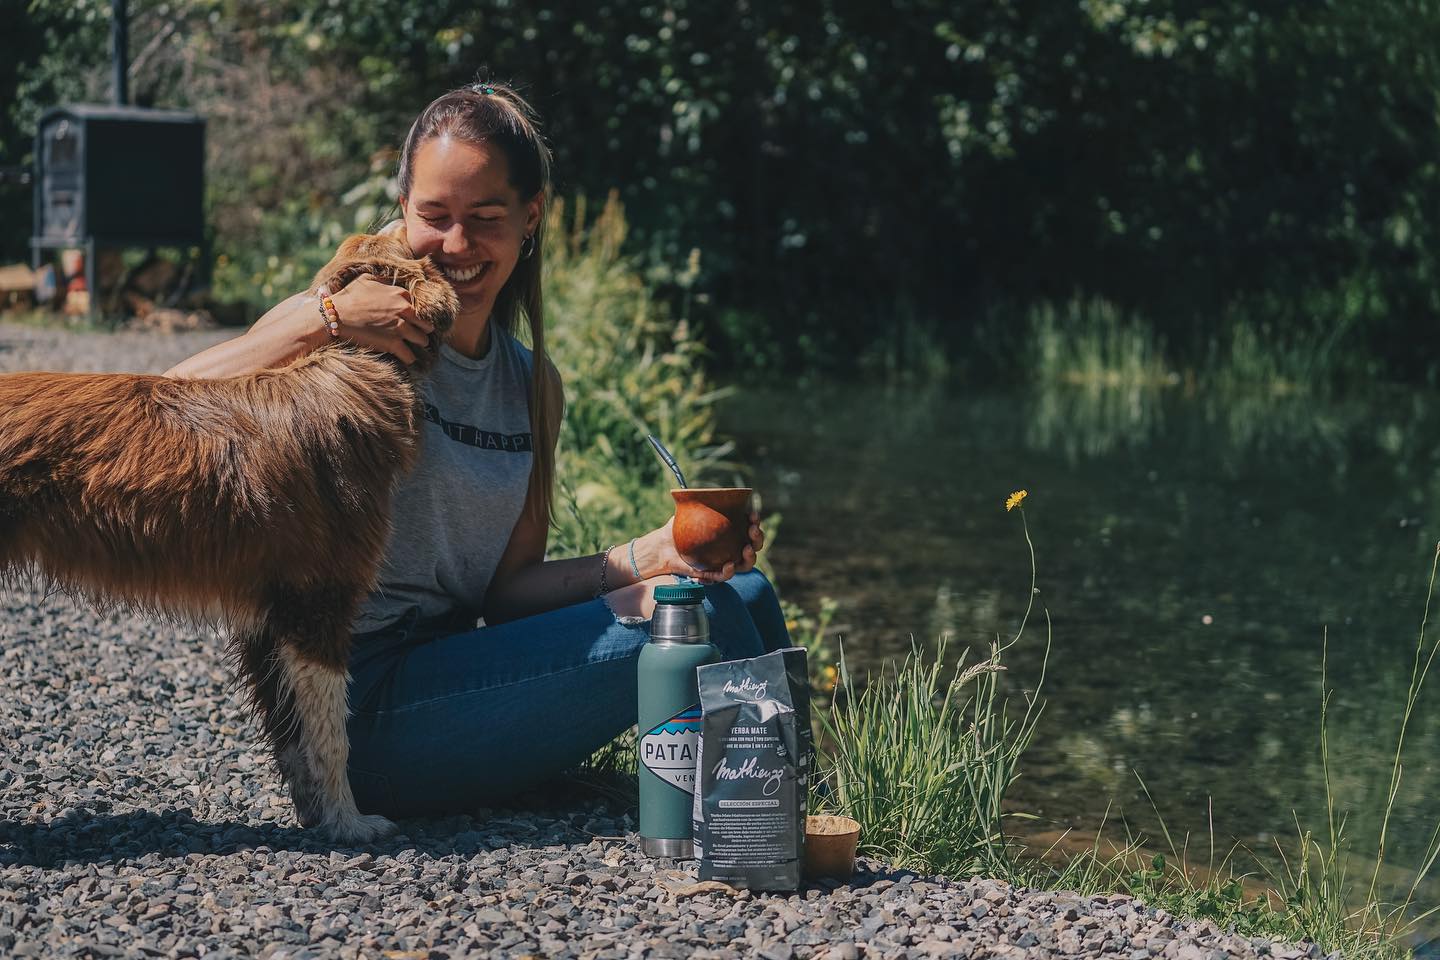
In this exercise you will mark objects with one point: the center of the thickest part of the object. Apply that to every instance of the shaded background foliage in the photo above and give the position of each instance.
(862, 179)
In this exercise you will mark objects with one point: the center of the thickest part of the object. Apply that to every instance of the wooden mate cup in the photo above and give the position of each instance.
(712, 525)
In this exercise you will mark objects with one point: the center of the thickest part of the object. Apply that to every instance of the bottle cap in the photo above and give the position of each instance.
(680, 593)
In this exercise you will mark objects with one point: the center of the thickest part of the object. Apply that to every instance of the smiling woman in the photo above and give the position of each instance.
(446, 716)
(472, 199)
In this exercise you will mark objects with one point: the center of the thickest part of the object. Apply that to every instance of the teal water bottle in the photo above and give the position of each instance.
(670, 718)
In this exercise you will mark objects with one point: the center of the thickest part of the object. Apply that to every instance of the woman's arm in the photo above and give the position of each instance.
(373, 314)
(525, 583)
(291, 328)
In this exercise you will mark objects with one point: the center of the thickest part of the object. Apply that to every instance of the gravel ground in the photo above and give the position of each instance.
(139, 817)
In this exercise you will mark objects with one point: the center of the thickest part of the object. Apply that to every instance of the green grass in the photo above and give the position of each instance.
(922, 756)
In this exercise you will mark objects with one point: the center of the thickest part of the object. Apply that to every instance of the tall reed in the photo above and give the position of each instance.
(1091, 343)
(1318, 889)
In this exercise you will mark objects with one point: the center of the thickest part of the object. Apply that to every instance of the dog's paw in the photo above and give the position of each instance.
(359, 828)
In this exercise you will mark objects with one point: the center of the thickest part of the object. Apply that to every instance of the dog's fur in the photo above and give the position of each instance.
(261, 502)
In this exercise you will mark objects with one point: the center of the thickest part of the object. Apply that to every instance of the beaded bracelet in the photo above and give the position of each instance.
(328, 312)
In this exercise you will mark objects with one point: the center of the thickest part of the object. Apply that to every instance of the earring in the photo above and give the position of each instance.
(525, 252)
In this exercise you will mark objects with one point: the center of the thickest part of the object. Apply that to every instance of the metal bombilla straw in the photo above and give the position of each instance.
(669, 460)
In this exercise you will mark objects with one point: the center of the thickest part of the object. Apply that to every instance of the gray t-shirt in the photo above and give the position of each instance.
(453, 514)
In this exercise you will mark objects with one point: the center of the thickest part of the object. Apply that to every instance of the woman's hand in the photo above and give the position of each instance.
(656, 555)
(380, 316)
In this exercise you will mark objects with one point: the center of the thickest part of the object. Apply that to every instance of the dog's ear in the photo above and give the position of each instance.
(340, 267)
(381, 246)
(395, 228)
(361, 253)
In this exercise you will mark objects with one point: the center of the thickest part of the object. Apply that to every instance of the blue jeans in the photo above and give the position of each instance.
(443, 722)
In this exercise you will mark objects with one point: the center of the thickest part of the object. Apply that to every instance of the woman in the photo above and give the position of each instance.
(445, 716)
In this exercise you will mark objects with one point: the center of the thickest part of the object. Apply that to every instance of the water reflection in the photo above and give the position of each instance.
(1087, 421)
(1090, 420)
(1193, 551)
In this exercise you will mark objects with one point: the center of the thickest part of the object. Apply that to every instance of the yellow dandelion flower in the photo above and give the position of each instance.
(1013, 501)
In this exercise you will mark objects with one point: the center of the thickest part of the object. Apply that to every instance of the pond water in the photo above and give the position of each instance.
(1193, 552)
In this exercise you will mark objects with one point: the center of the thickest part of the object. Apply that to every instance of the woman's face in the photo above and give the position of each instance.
(464, 214)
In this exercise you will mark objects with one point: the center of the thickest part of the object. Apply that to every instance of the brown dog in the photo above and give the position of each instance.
(261, 502)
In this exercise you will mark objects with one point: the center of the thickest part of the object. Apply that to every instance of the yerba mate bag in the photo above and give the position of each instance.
(756, 754)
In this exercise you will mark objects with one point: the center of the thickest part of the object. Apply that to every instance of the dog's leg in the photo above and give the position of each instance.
(9, 526)
(295, 659)
(304, 791)
(319, 693)
(256, 653)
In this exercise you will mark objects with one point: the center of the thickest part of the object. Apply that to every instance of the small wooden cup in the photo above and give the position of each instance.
(830, 843)
(712, 525)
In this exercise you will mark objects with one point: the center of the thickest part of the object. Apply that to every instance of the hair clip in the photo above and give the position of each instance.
(487, 89)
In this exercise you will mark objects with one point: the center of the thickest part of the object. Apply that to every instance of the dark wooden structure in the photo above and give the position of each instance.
(118, 176)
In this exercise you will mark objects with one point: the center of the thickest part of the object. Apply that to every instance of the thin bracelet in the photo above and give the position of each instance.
(604, 564)
(634, 567)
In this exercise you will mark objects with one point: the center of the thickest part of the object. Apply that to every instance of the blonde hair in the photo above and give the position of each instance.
(495, 115)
